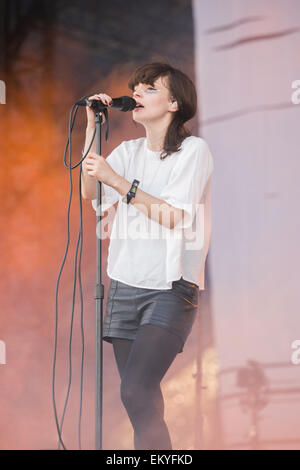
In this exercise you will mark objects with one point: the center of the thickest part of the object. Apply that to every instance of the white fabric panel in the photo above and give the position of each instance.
(244, 75)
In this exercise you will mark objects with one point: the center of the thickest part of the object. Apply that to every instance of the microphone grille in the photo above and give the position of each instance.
(128, 104)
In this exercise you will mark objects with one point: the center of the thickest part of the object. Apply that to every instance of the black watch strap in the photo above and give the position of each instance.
(131, 192)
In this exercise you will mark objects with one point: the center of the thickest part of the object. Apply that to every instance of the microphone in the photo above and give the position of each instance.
(124, 103)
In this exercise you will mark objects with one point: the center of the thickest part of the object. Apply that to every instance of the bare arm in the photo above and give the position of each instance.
(89, 183)
(153, 207)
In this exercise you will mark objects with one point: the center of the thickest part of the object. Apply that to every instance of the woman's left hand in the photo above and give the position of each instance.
(97, 166)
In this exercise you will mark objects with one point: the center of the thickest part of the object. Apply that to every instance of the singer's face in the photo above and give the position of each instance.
(155, 100)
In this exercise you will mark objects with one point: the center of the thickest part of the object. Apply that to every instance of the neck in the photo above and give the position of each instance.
(155, 134)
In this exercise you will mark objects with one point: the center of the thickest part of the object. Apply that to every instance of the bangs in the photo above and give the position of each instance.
(148, 74)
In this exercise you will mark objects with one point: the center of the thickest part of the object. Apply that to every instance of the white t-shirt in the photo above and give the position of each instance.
(142, 252)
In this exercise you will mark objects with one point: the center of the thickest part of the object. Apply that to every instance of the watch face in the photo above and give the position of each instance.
(133, 190)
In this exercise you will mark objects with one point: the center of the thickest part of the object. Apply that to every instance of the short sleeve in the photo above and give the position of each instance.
(189, 181)
(117, 161)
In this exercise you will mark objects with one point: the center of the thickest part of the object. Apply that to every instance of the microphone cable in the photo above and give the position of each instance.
(79, 243)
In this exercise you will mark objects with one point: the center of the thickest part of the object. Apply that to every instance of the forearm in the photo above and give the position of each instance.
(89, 183)
(153, 207)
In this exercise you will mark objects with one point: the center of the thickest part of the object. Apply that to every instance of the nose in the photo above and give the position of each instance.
(136, 93)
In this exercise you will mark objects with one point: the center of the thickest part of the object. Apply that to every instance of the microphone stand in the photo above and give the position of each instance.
(99, 295)
(124, 103)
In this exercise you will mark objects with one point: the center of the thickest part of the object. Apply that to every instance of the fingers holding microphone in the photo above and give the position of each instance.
(106, 99)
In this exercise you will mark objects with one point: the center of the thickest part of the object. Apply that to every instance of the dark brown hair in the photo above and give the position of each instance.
(181, 89)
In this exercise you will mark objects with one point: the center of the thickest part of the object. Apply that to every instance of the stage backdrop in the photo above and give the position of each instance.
(59, 52)
(246, 59)
(243, 58)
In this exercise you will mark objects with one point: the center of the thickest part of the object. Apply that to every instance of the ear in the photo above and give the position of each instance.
(174, 104)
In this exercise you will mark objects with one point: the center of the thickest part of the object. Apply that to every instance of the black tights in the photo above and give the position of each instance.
(142, 363)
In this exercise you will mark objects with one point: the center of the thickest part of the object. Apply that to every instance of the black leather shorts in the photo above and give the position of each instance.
(129, 307)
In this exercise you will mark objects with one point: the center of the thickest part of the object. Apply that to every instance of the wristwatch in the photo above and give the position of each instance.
(131, 192)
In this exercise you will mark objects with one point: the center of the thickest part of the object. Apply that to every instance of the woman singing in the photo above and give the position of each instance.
(159, 239)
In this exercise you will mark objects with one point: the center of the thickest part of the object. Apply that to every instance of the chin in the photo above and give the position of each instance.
(136, 119)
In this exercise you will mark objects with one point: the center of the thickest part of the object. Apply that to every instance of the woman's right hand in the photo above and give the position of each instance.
(106, 99)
